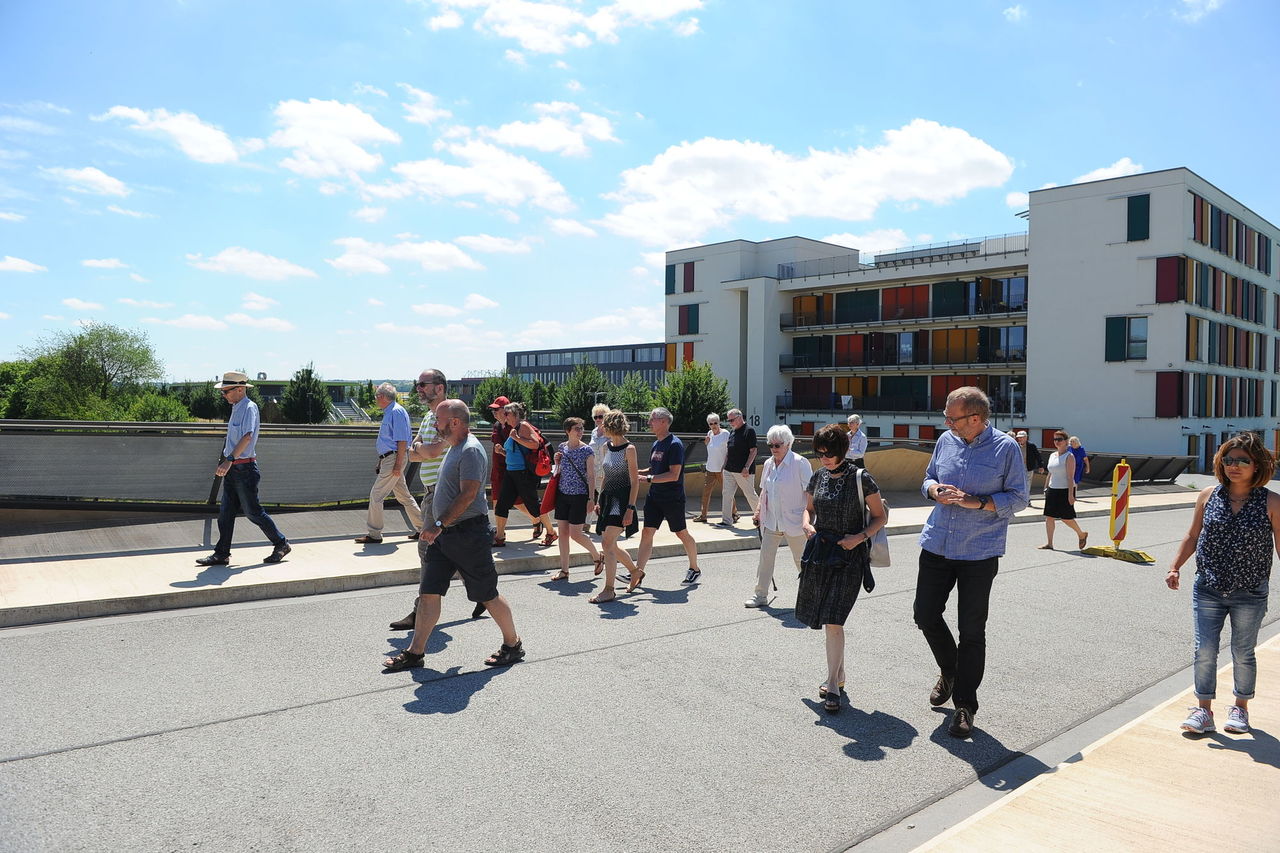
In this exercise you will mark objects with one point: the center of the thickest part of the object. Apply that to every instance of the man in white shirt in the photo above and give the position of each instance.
(857, 442)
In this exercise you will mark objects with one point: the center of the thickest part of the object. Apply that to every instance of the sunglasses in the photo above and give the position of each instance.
(597, 417)
(776, 444)
(1236, 461)
(827, 454)
(226, 391)
(1058, 438)
(424, 384)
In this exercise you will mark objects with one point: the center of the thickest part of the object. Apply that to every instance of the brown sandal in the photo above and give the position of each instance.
(605, 595)
(599, 561)
(551, 539)
(562, 575)
(636, 577)
(499, 543)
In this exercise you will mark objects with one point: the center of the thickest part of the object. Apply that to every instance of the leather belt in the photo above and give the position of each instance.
(385, 455)
(243, 460)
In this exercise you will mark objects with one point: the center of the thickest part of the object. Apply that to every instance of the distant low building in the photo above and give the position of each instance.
(615, 362)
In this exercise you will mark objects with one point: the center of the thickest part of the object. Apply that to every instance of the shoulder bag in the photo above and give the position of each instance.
(879, 556)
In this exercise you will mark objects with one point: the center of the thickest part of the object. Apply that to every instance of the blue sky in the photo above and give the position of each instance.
(378, 186)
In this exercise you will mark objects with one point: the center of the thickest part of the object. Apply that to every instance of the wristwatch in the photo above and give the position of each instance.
(439, 524)
(982, 501)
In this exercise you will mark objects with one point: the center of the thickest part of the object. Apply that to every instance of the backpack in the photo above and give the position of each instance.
(537, 459)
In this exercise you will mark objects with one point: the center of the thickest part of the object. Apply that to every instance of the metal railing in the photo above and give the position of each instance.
(979, 247)
(827, 360)
(979, 308)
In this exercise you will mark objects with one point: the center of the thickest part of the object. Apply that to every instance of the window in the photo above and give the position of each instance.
(688, 315)
(1139, 219)
(688, 277)
(1126, 339)
(671, 279)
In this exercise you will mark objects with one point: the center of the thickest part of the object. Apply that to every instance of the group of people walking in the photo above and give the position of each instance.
(977, 476)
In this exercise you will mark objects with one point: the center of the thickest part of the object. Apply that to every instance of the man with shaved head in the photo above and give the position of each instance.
(458, 541)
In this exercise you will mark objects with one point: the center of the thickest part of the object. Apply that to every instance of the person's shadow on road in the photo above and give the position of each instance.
(437, 642)
(571, 588)
(996, 766)
(214, 576)
(447, 692)
(870, 734)
(1261, 747)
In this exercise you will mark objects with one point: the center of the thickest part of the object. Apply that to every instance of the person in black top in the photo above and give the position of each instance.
(665, 501)
(1034, 466)
(737, 467)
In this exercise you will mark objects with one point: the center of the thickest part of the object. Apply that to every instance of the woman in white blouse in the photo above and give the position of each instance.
(780, 513)
(717, 442)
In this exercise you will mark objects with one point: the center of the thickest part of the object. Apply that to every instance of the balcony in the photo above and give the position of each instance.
(838, 403)
(994, 360)
(980, 309)
(984, 247)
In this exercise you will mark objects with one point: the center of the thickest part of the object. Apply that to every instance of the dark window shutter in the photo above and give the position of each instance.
(1139, 217)
(1169, 394)
(1117, 333)
(693, 320)
(1167, 279)
(688, 277)
(671, 279)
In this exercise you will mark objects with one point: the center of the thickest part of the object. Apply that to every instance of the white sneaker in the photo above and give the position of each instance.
(1237, 721)
(1199, 721)
(756, 601)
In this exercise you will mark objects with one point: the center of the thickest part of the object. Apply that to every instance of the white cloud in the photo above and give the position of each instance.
(560, 64)
(1014, 14)
(871, 242)
(14, 124)
(637, 323)
(362, 256)
(88, 180)
(421, 109)
(143, 303)
(272, 324)
(498, 176)
(201, 322)
(573, 86)
(363, 89)
(138, 278)
(515, 57)
(436, 309)
(80, 305)
(476, 302)
(1118, 169)
(571, 228)
(52, 317)
(695, 187)
(1192, 11)
(6, 216)
(1017, 200)
(377, 303)
(370, 214)
(326, 138)
(238, 261)
(126, 212)
(686, 28)
(499, 245)
(449, 20)
(257, 302)
(11, 264)
(105, 263)
(4, 316)
(563, 128)
(202, 142)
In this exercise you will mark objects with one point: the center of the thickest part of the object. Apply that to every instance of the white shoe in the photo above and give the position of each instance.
(756, 601)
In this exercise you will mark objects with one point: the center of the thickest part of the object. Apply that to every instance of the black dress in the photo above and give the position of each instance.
(826, 594)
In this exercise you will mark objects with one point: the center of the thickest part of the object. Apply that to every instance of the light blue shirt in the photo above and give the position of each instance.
(992, 465)
(244, 421)
(395, 428)
(857, 445)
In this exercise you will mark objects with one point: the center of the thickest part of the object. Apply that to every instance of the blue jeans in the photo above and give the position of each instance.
(1246, 607)
(240, 494)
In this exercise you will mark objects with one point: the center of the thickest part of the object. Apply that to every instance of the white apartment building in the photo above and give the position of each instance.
(1141, 313)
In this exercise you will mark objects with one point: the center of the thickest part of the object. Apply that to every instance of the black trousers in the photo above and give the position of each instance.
(965, 661)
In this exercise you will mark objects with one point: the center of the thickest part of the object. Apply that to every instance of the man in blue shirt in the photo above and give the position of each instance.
(665, 501)
(393, 441)
(239, 470)
(978, 478)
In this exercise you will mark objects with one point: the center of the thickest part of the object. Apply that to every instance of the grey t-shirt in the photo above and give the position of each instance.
(467, 461)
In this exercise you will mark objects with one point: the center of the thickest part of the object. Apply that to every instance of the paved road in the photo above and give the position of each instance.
(674, 719)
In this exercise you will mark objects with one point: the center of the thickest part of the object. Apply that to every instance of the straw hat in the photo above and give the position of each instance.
(232, 379)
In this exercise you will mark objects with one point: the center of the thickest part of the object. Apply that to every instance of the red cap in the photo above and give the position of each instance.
(499, 402)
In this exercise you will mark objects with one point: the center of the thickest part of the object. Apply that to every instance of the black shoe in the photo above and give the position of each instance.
(941, 691)
(479, 611)
(213, 560)
(405, 624)
(961, 724)
(278, 553)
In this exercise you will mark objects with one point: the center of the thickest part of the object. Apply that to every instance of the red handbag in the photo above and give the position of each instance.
(549, 496)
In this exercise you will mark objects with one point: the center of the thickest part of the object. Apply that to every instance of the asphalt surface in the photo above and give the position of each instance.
(674, 719)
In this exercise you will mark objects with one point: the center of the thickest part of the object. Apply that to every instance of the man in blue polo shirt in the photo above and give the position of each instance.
(977, 477)
(665, 501)
(239, 472)
(393, 441)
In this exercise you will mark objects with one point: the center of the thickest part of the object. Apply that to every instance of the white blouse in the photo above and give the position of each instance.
(782, 496)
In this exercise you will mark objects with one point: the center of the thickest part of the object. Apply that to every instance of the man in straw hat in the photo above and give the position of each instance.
(239, 470)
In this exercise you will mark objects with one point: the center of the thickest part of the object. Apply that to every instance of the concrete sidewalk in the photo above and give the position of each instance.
(59, 566)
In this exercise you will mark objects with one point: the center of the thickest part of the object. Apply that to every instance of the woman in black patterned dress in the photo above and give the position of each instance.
(826, 594)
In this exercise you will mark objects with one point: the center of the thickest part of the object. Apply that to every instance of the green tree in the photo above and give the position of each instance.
(502, 384)
(690, 393)
(305, 399)
(100, 360)
(365, 398)
(538, 398)
(580, 391)
(155, 407)
(634, 394)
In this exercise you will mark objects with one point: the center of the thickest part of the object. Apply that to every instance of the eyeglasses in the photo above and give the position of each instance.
(1058, 438)
(776, 444)
(424, 384)
(959, 418)
(827, 454)
(1236, 461)
(226, 391)
(597, 417)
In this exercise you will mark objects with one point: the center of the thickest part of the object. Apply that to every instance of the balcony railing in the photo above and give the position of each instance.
(980, 308)
(999, 244)
(827, 360)
(841, 403)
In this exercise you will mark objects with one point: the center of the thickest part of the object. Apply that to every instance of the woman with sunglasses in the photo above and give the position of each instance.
(1233, 532)
(616, 509)
(575, 464)
(1060, 492)
(599, 438)
(827, 594)
(520, 482)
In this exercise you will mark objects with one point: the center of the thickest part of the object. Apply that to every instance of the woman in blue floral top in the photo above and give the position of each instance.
(575, 466)
(1235, 529)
